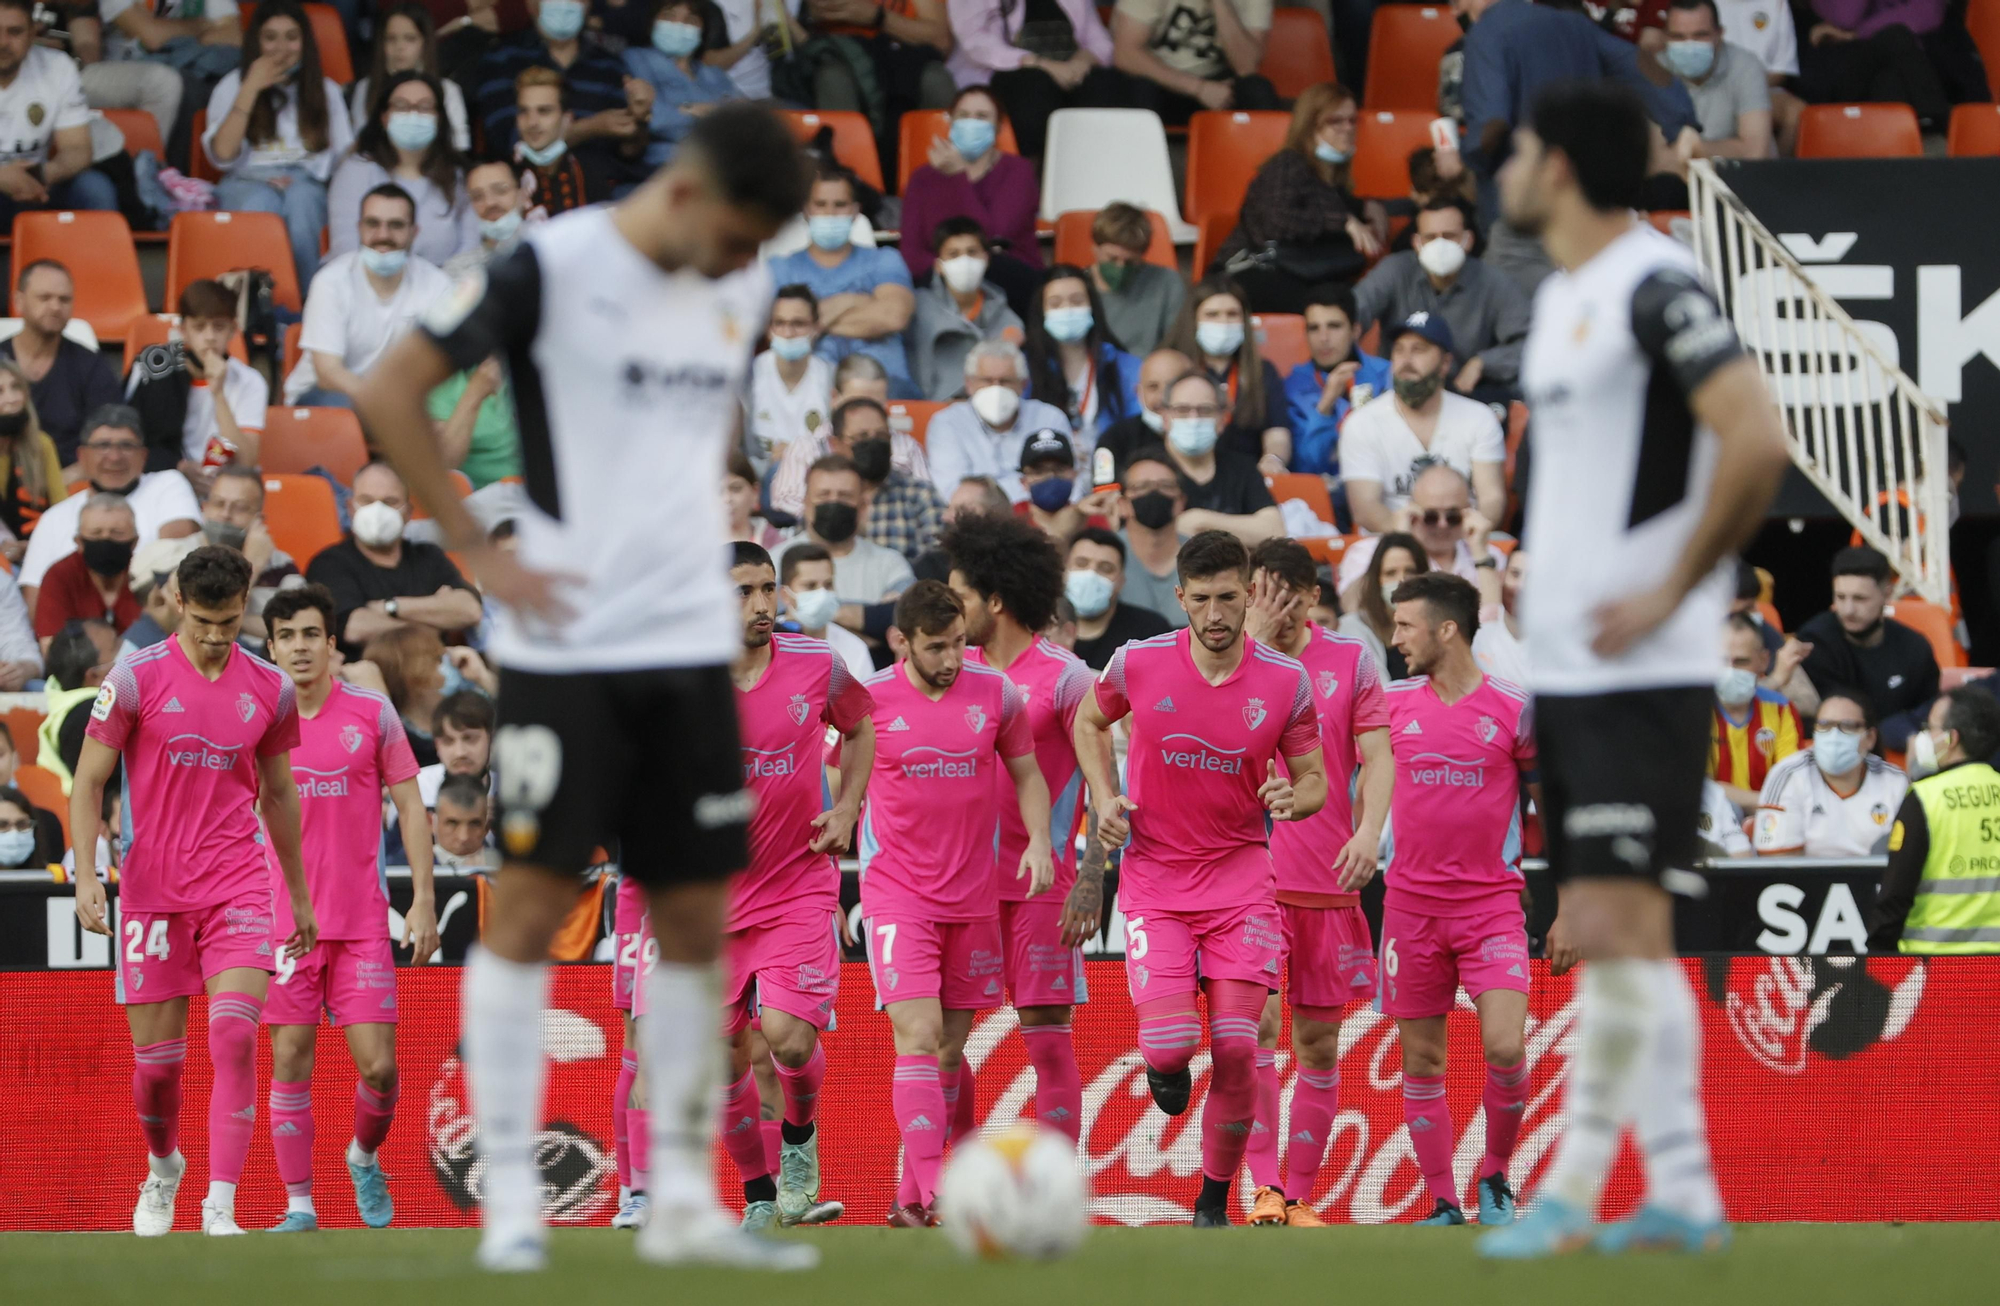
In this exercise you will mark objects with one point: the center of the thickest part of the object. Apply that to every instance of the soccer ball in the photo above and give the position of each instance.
(1016, 1194)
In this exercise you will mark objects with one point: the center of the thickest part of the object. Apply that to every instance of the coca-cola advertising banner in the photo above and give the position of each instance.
(1820, 1066)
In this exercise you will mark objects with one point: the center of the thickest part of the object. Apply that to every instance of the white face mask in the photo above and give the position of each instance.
(1155, 421)
(377, 525)
(996, 405)
(1836, 752)
(1923, 755)
(1736, 686)
(1442, 257)
(964, 273)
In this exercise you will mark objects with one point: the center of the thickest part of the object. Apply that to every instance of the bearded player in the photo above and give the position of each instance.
(1463, 743)
(946, 730)
(1320, 864)
(781, 942)
(1212, 714)
(351, 750)
(1009, 575)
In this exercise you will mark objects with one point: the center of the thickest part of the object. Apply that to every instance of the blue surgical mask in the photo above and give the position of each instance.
(972, 137)
(1193, 436)
(830, 231)
(16, 846)
(454, 679)
(1690, 59)
(412, 131)
(502, 228)
(1068, 325)
(1156, 422)
(1052, 494)
(676, 40)
(1089, 592)
(384, 262)
(1327, 154)
(815, 608)
(1836, 752)
(791, 348)
(561, 20)
(1219, 339)
(1736, 686)
(546, 154)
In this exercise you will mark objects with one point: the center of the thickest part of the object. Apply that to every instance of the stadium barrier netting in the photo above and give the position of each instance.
(1860, 1069)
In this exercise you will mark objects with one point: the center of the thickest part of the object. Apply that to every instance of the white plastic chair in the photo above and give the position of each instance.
(1097, 157)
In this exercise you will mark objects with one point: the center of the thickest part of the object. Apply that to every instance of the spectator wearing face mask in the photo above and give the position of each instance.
(233, 516)
(684, 85)
(605, 111)
(1141, 300)
(1755, 728)
(1151, 507)
(805, 580)
(1223, 489)
(381, 582)
(1732, 100)
(1145, 427)
(864, 572)
(552, 178)
(968, 175)
(1836, 799)
(406, 142)
(112, 458)
(1104, 621)
(1215, 331)
(25, 843)
(1048, 471)
(902, 513)
(151, 570)
(856, 376)
(92, 581)
(789, 384)
(960, 308)
(865, 296)
(984, 433)
(1074, 362)
(1486, 311)
(498, 208)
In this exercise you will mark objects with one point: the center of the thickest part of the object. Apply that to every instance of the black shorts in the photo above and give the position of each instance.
(646, 762)
(1621, 782)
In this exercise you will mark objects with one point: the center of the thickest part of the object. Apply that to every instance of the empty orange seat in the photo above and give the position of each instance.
(918, 128)
(1305, 487)
(1383, 142)
(1225, 149)
(1859, 131)
(1975, 130)
(1934, 624)
(140, 129)
(1073, 244)
(300, 512)
(853, 140)
(1298, 52)
(25, 724)
(1405, 43)
(912, 416)
(300, 439)
(1281, 338)
(330, 35)
(209, 244)
(97, 249)
(44, 789)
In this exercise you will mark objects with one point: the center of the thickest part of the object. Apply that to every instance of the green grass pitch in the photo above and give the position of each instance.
(1770, 1265)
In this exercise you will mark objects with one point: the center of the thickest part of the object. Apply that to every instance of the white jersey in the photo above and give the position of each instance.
(1720, 825)
(46, 96)
(628, 381)
(1799, 812)
(1615, 349)
(1764, 28)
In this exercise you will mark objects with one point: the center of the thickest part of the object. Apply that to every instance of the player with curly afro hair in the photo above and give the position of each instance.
(1003, 566)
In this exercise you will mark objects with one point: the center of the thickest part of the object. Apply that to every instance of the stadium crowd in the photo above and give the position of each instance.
(902, 385)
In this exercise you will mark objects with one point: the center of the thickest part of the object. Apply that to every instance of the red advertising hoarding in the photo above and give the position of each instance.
(1813, 1067)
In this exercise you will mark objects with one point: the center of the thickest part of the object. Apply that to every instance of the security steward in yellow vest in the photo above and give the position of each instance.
(1941, 891)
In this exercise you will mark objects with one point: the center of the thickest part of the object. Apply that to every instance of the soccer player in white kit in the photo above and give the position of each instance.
(1657, 450)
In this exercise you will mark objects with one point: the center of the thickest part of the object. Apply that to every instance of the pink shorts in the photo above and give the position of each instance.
(791, 965)
(1425, 958)
(625, 918)
(1041, 972)
(172, 954)
(1170, 952)
(352, 980)
(957, 962)
(1329, 956)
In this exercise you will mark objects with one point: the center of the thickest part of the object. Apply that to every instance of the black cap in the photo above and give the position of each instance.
(1047, 445)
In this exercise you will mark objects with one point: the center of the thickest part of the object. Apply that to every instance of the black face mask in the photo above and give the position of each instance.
(871, 459)
(1464, 22)
(836, 522)
(1153, 510)
(12, 424)
(221, 532)
(108, 557)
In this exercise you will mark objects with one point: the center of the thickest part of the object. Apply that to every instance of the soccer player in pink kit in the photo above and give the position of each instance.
(781, 942)
(944, 730)
(206, 733)
(1321, 863)
(351, 749)
(1009, 574)
(628, 910)
(1463, 743)
(1212, 713)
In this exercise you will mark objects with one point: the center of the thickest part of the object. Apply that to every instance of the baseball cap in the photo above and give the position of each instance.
(1431, 326)
(1047, 445)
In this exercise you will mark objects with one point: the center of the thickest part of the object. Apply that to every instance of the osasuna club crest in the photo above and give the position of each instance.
(246, 707)
(1328, 683)
(1253, 713)
(1488, 728)
(798, 709)
(975, 717)
(350, 737)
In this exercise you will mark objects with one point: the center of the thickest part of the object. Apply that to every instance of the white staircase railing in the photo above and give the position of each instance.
(1859, 428)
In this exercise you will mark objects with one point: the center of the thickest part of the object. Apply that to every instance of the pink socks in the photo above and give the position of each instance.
(1428, 1114)
(960, 1102)
(292, 1135)
(1262, 1149)
(1505, 1098)
(639, 1125)
(232, 1104)
(156, 1093)
(1315, 1103)
(801, 1086)
(1231, 1110)
(621, 1100)
(1169, 1032)
(1058, 1082)
(774, 1142)
(373, 1112)
(742, 1131)
(918, 1101)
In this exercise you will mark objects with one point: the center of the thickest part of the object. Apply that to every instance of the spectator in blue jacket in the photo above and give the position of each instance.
(1074, 362)
(1340, 376)
(684, 87)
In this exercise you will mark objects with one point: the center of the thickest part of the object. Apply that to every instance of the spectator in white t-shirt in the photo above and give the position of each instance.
(806, 580)
(112, 458)
(1837, 798)
(202, 409)
(1389, 441)
(750, 25)
(1497, 647)
(44, 125)
(363, 301)
(789, 383)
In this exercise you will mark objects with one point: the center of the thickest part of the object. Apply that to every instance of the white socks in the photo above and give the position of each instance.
(359, 1155)
(1668, 1114)
(504, 1003)
(303, 1202)
(167, 1167)
(682, 1057)
(221, 1195)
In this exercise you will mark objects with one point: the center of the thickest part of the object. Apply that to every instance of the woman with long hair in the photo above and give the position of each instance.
(406, 42)
(411, 662)
(1214, 330)
(1300, 225)
(276, 127)
(1074, 361)
(1397, 558)
(30, 469)
(405, 143)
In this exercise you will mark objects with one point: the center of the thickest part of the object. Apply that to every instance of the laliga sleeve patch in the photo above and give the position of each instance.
(450, 310)
(107, 698)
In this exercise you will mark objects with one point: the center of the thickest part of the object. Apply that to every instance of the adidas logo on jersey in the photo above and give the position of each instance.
(173, 705)
(389, 1003)
(1414, 728)
(897, 724)
(1165, 705)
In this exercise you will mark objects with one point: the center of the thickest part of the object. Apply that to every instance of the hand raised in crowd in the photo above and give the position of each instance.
(1478, 532)
(944, 156)
(1272, 608)
(1338, 382)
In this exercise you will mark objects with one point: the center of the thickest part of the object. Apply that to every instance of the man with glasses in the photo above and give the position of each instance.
(1386, 445)
(1440, 514)
(113, 458)
(1222, 488)
(1837, 798)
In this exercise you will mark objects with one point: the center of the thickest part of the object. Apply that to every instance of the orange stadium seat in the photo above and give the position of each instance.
(1982, 21)
(200, 167)
(460, 482)
(1859, 131)
(25, 723)
(1224, 151)
(919, 127)
(1073, 239)
(1405, 43)
(44, 788)
(912, 416)
(1213, 231)
(1975, 130)
(1298, 52)
(97, 249)
(1305, 487)
(209, 244)
(141, 131)
(330, 35)
(300, 439)
(1934, 624)
(1281, 338)
(853, 140)
(1383, 142)
(300, 512)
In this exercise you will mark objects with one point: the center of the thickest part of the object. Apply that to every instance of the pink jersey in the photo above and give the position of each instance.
(1198, 756)
(1347, 692)
(346, 756)
(929, 838)
(1455, 820)
(783, 722)
(191, 747)
(1053, 681)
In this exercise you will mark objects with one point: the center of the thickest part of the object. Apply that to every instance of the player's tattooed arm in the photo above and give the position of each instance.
(1083, 911)
(1108, 807)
